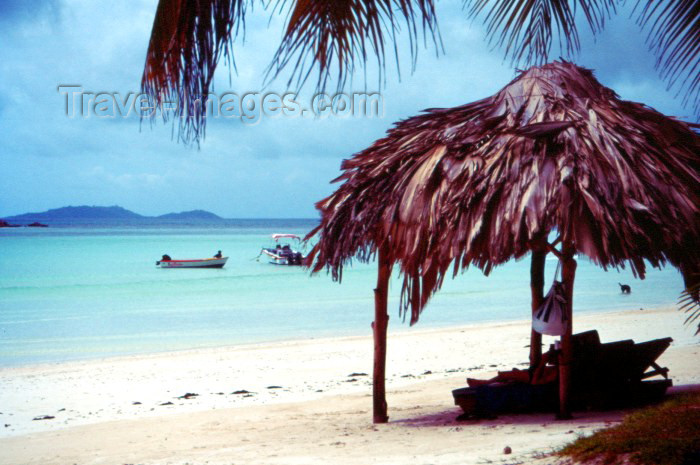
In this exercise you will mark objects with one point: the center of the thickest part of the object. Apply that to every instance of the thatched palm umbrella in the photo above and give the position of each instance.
(554, 152)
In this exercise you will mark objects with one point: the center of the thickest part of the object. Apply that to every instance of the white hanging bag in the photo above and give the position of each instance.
(551, 317)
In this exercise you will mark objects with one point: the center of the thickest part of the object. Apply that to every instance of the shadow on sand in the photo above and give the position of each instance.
(448, 418)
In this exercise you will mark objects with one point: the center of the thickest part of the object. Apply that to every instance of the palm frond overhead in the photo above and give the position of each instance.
(525, 28)
(554, 150)
(188, 39)
(689, 303)
(337, 34)
(674, 35)
(327, 41)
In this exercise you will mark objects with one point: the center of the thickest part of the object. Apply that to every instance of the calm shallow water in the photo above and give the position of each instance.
(89, 292)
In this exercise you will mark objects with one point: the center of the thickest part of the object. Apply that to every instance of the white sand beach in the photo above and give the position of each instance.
(304, 402)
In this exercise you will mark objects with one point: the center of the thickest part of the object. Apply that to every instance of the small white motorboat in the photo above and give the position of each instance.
(284, 254)
(215, 262)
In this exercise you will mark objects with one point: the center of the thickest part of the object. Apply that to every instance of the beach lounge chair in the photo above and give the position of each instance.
(622, 376)
(604, 376)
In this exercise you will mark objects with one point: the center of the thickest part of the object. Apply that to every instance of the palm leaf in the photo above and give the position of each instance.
(526, 27)
(689, 302)
(187, 41)
(189, 38)
(338, 34)
(674, 35)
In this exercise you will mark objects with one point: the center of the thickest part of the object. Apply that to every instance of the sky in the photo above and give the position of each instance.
(277, 167)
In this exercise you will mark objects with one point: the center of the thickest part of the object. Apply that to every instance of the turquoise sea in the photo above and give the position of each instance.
(87, 292)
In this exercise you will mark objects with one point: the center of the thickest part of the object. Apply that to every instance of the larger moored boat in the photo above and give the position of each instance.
(283, 253)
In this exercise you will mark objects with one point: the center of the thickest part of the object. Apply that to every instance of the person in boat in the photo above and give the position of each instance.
(543, 373)
(218, 254)
(286, 251)
(166, 258)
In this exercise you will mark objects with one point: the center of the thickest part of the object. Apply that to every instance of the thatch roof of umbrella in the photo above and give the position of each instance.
(482, 183)
(475, 184)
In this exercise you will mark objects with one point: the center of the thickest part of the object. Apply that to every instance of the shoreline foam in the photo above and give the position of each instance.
(394, 329)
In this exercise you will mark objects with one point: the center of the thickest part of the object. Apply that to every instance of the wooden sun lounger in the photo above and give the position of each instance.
(603, 376)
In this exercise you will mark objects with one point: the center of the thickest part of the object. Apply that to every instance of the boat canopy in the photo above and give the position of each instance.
(278, 236)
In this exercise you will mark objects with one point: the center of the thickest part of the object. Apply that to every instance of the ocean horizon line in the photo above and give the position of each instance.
(117, 212)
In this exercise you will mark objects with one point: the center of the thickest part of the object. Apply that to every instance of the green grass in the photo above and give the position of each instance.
(667, 434)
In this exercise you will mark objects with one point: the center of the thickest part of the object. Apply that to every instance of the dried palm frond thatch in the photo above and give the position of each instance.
(480, 184)
(554, 152)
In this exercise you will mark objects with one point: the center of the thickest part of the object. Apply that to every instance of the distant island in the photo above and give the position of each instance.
(105, 215)
(200, 215)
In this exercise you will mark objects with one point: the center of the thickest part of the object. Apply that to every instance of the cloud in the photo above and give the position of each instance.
(102, 176)
(278, 167)
(23, 11)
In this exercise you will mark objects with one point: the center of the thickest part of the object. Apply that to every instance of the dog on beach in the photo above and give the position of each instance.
(625, 288)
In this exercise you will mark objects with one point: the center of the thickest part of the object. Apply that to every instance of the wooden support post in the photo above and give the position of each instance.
(379, 327)
(537, 264)
(568, 273)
